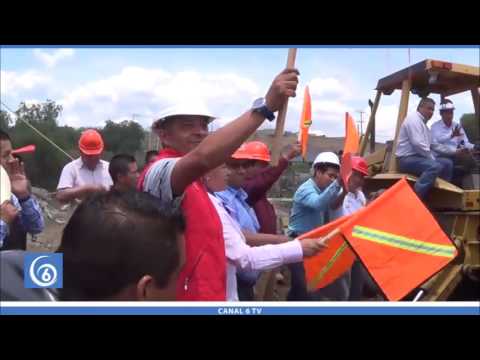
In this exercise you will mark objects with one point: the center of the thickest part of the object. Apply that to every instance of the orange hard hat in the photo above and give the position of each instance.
(253, 150)
(359, 164)
(91, 142)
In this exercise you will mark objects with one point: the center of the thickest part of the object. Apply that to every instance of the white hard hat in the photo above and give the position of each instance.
(193, 109)
(327, 157)
(5, 188)
(447, 106)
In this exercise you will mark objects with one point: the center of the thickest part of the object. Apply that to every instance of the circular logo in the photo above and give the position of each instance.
(44, 275)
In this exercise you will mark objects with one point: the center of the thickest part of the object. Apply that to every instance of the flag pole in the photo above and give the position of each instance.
(418, 296)
(280, 125)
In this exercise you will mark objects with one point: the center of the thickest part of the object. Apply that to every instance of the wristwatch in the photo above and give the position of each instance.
(260, 106)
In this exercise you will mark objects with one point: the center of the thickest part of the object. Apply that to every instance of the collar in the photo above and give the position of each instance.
(421, 117)
(82, 164)
(445, 125)
(316, 186)
(238, 193)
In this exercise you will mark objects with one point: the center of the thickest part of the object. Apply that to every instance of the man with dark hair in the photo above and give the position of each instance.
(150, 156)
(312, 203)
(124, 172)
(121, 246)
(414, 150)
(22, 213)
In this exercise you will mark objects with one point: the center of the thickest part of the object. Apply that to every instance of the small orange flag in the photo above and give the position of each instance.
(328, 265)
(352, 139)
(305, 122)
(398, 241)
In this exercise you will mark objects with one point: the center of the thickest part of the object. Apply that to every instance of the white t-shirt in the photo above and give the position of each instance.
(353, 202)
(242, 256)
(75, 174)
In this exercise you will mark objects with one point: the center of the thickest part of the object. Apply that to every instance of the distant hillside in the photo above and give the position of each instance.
(316, 144)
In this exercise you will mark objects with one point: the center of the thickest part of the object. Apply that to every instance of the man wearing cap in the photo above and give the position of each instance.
(452, 138)
(87, 174)
(414, 150)
(175, 179)
(20, 212)
(250, 162)
(311, 204)
(350, 285)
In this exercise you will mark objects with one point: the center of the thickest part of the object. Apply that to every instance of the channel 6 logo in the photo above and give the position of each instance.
(43, 270)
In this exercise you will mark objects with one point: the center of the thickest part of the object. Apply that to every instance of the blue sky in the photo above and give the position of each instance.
(96, 84)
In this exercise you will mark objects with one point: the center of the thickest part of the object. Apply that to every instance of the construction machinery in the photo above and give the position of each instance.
(456, 208)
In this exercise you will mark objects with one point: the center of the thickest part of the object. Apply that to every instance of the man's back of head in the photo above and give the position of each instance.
(121, 246)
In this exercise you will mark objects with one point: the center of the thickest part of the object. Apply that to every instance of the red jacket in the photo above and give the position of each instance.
(204, 275)
(257, 189)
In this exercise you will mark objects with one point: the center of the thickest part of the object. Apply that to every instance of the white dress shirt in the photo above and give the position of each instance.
(414, 137)
(442, 134)
(242, 256)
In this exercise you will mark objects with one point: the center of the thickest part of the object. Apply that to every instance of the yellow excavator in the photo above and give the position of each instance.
(456, 208)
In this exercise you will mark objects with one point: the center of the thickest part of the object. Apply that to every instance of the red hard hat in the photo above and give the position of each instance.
(91, 142)
(253, 150)
(359, 164)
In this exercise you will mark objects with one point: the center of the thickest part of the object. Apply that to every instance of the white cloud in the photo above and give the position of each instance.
(328, 87)
(13, 82)
(146, 92)
(385, 121)
(51, 59)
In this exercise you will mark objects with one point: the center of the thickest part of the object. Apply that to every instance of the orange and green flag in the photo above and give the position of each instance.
(352, 139)
(398, 241)
(328, 265)
(305, 122)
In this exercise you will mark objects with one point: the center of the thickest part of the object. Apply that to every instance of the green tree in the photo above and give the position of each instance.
(5, 120)
(45, 165)
(124, 137)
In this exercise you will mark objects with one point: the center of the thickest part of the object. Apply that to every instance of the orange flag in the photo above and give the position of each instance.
(352, 139)
(324, 268)
(305, 122)
(398, 241)
(346, 168)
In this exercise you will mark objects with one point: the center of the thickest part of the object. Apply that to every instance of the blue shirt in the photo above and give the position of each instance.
(235, 201)
(310, 205)
(30, 217)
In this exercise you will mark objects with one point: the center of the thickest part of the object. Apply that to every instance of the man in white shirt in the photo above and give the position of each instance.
(87, 174)
(453, 139)
(414, 150)
(241, 256)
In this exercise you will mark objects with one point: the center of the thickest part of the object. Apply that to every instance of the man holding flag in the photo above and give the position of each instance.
(400, 253)
(311, 204)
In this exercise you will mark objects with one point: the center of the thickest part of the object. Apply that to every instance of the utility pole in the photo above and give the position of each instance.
(361, 120)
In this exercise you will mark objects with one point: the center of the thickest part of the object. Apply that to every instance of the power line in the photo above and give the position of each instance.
(39, 133)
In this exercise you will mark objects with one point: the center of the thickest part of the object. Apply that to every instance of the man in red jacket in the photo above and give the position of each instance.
(174, 178)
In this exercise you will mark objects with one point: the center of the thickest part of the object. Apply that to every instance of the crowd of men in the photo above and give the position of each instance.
(195, 223)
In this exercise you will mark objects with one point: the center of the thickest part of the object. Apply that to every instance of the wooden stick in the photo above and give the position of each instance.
(279, 128)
